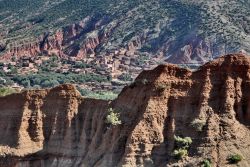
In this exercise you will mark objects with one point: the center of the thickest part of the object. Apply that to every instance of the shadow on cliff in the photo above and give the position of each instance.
(12, 112)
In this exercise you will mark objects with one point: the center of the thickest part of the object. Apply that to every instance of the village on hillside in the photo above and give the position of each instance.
(109, 72)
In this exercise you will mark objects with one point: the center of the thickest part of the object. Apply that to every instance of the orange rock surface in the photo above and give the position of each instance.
(58, 127)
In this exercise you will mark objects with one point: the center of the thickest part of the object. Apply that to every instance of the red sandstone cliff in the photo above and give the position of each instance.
(61, 42)
(87, 36)
(58, 127)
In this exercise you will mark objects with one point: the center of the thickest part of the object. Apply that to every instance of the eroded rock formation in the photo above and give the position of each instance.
(58, 127)
(62, 42)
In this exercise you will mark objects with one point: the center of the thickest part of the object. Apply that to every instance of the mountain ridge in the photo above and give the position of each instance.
(179, 31)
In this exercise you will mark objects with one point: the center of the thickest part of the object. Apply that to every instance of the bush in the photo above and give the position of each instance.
(235, 158)
(113, 118)
(180, 153)
(198, 124)
(206, 163)
(182, 142)
(181, 145)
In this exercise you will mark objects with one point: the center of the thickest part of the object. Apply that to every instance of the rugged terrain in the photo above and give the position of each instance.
(57, 127)
(45, 43)
(178, 31)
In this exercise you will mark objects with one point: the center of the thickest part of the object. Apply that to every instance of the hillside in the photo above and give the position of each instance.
(101, 46)
(169, 116)
(178, 31)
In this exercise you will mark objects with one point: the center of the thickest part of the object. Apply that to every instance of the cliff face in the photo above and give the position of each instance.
(58, 127)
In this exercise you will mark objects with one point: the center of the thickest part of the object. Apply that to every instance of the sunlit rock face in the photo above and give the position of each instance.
(57, 127)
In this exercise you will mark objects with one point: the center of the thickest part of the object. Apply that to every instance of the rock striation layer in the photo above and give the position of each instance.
(57, 127)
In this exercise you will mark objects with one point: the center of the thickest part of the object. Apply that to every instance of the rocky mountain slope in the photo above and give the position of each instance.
(57, 127)
(178, 31)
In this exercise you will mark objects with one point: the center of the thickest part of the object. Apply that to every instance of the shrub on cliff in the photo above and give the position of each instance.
(206, 163)
(181, 146)
(113, 118)
(198, 124)
(180, 153)
(182, 142)
(235, 158)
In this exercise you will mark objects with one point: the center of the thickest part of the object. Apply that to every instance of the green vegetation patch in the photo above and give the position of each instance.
(206, 163)
(52, 79)
(182, 142)
(113, 117)
(235, 158)
(4, 91)
(181, 146)
(180, 153)
(103, 95)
